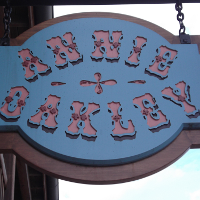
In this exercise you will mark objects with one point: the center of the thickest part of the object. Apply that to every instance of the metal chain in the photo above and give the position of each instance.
(5, 41)
(180, 17)
(7, 19)
(184, 38)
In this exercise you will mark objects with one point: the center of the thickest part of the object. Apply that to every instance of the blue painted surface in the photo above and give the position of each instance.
(104, 150)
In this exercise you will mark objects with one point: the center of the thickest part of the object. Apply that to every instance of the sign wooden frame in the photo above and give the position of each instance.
(12, 142)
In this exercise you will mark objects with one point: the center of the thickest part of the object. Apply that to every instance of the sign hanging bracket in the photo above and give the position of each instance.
(184, 38)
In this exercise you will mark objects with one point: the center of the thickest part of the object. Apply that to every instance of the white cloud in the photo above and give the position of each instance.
(195, 195)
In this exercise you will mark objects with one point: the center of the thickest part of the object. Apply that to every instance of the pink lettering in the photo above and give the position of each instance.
(64, 50)
(78, 118)
(134, 58)
(180, 95)
(116, 118)
(47, 112)
(14, 102)
(155, 118)
(32, 64)
(162, 62)
(106, 44)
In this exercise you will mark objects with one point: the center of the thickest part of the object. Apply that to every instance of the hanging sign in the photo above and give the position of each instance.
(99, 91)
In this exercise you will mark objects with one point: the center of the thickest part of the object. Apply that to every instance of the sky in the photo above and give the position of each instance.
(181, 180)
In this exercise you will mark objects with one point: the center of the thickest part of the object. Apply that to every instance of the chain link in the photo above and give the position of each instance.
(7, 19)
(180, 17)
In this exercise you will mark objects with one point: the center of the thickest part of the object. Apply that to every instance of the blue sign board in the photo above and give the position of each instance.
(99, 91)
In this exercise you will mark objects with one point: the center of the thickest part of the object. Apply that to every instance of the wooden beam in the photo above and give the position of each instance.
(31, 16)
(23, 175)
(1, 185)
(2, 165)
(89, 2)
(45, 187)
(18, 24)
(10, 163)
(1, 22)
